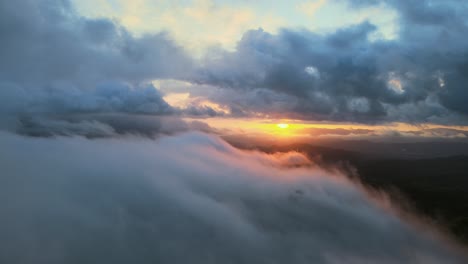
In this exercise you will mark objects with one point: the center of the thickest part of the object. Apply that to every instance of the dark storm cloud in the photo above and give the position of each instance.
(346, 75)
(55, 62)
(191, 199)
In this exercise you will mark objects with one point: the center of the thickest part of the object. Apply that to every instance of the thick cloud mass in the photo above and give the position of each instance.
(46, 41)
(55, 62)
(193, 198)
(347, 75)
(107, 125)
(190, 199)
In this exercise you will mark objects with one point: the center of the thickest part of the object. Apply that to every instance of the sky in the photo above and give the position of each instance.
(222, 23)
(350, 63)
(115, 117)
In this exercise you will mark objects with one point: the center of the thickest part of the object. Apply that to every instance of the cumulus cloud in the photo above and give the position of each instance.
(47, 41)
(280, 63)
(426, 62)
(55, 62)
(104, 98)
(191, 198)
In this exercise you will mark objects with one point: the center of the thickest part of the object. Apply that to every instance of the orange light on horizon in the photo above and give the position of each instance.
(289, 129)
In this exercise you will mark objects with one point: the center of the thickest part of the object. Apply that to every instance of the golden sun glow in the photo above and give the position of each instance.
(290, 129)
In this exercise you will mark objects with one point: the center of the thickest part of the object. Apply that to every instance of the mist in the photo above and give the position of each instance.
(193, 198)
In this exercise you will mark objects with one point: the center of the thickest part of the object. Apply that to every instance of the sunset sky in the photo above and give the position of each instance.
(394, 68)
(233, 131)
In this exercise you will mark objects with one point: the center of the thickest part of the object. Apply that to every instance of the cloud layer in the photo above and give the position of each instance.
(55, 62)
(346, 75)
(191, 198)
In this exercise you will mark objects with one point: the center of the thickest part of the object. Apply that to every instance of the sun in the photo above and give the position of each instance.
(282, 126)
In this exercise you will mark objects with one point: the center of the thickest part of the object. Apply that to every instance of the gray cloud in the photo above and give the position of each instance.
(105, 97)
(105, 125)
(45, 42)
(345, 75)
(55, 62)
(191, 198)
(337, 131)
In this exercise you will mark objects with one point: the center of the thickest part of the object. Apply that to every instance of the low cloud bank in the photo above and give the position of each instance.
(105, 125)
(190, 198)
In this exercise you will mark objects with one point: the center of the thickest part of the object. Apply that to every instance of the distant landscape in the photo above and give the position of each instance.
(425, 178)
